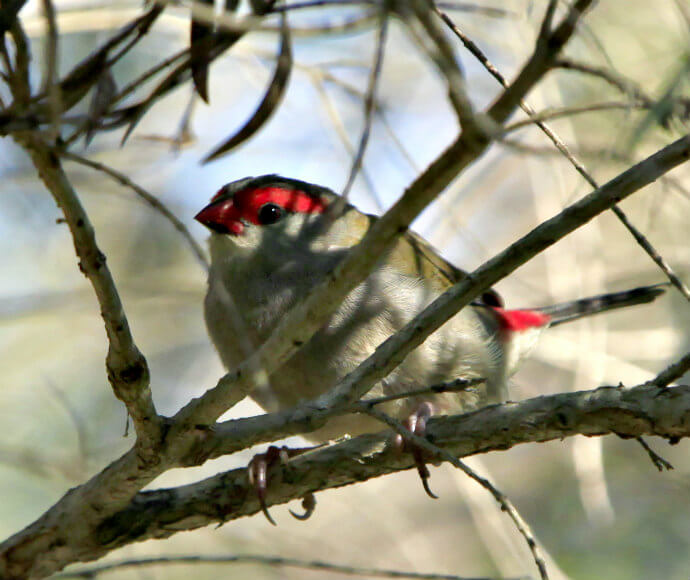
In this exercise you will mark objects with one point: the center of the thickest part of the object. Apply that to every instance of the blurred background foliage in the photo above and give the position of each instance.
(598, 506)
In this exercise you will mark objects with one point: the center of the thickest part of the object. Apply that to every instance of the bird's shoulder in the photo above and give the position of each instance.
(414, 256)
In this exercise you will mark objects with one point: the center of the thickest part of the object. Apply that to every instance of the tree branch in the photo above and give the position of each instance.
(275, 561)
(127, 368)
(297, 327)
(640, 238)
(101, 514)
(643, 410)
(148, 198)
(311, 415)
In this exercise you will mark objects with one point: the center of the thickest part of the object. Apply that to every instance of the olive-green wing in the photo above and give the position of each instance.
(417, 257)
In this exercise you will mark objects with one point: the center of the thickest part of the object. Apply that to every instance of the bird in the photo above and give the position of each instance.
(273, 238)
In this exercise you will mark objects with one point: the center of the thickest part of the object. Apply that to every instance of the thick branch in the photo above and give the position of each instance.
(644, 410)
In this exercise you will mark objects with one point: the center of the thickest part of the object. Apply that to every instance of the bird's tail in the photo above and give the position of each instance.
(568, 311)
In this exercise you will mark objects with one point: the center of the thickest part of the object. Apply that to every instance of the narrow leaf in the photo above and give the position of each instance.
(201, 35)
(222, 42)
(271, 100)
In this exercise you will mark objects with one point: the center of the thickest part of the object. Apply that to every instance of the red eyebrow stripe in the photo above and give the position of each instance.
(294, 200)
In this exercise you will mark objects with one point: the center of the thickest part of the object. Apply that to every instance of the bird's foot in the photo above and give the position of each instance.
(416, 423)
(308, 505)
(258, 477)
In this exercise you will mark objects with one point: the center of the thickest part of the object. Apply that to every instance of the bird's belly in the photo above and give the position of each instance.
(336, 351)
(364, 321)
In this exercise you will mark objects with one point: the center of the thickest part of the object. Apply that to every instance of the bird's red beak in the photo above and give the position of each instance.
(221, 217)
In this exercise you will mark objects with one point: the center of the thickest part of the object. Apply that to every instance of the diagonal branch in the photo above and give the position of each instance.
(127, 368)
(507, 506)
(312, 414)
(673, 372)
(310, 314)
(640, 238)
(148, 198)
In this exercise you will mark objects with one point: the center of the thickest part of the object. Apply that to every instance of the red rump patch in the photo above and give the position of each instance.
(518, 320)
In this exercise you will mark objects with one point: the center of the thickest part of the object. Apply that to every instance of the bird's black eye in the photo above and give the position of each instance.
(269, 213)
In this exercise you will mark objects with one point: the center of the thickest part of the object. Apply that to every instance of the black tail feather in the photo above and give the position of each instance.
(587, 306)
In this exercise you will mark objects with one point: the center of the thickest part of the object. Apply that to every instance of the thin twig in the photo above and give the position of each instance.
(653, 253)
(613, 78)
(150, 73)
(577, 164)
(289, 7)
(673, 372)
(659, 462)
(505, 503)
(488, 11)
(50, 85)
(276, 561)
(444, 58)
(551, 114)
(149, 198)
(369, 103)
(318, 79)
(454, 386)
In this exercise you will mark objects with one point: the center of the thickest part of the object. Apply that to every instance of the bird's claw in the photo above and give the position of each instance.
(308, 505)
(416, 423)
(258, 477)
(257, 472)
